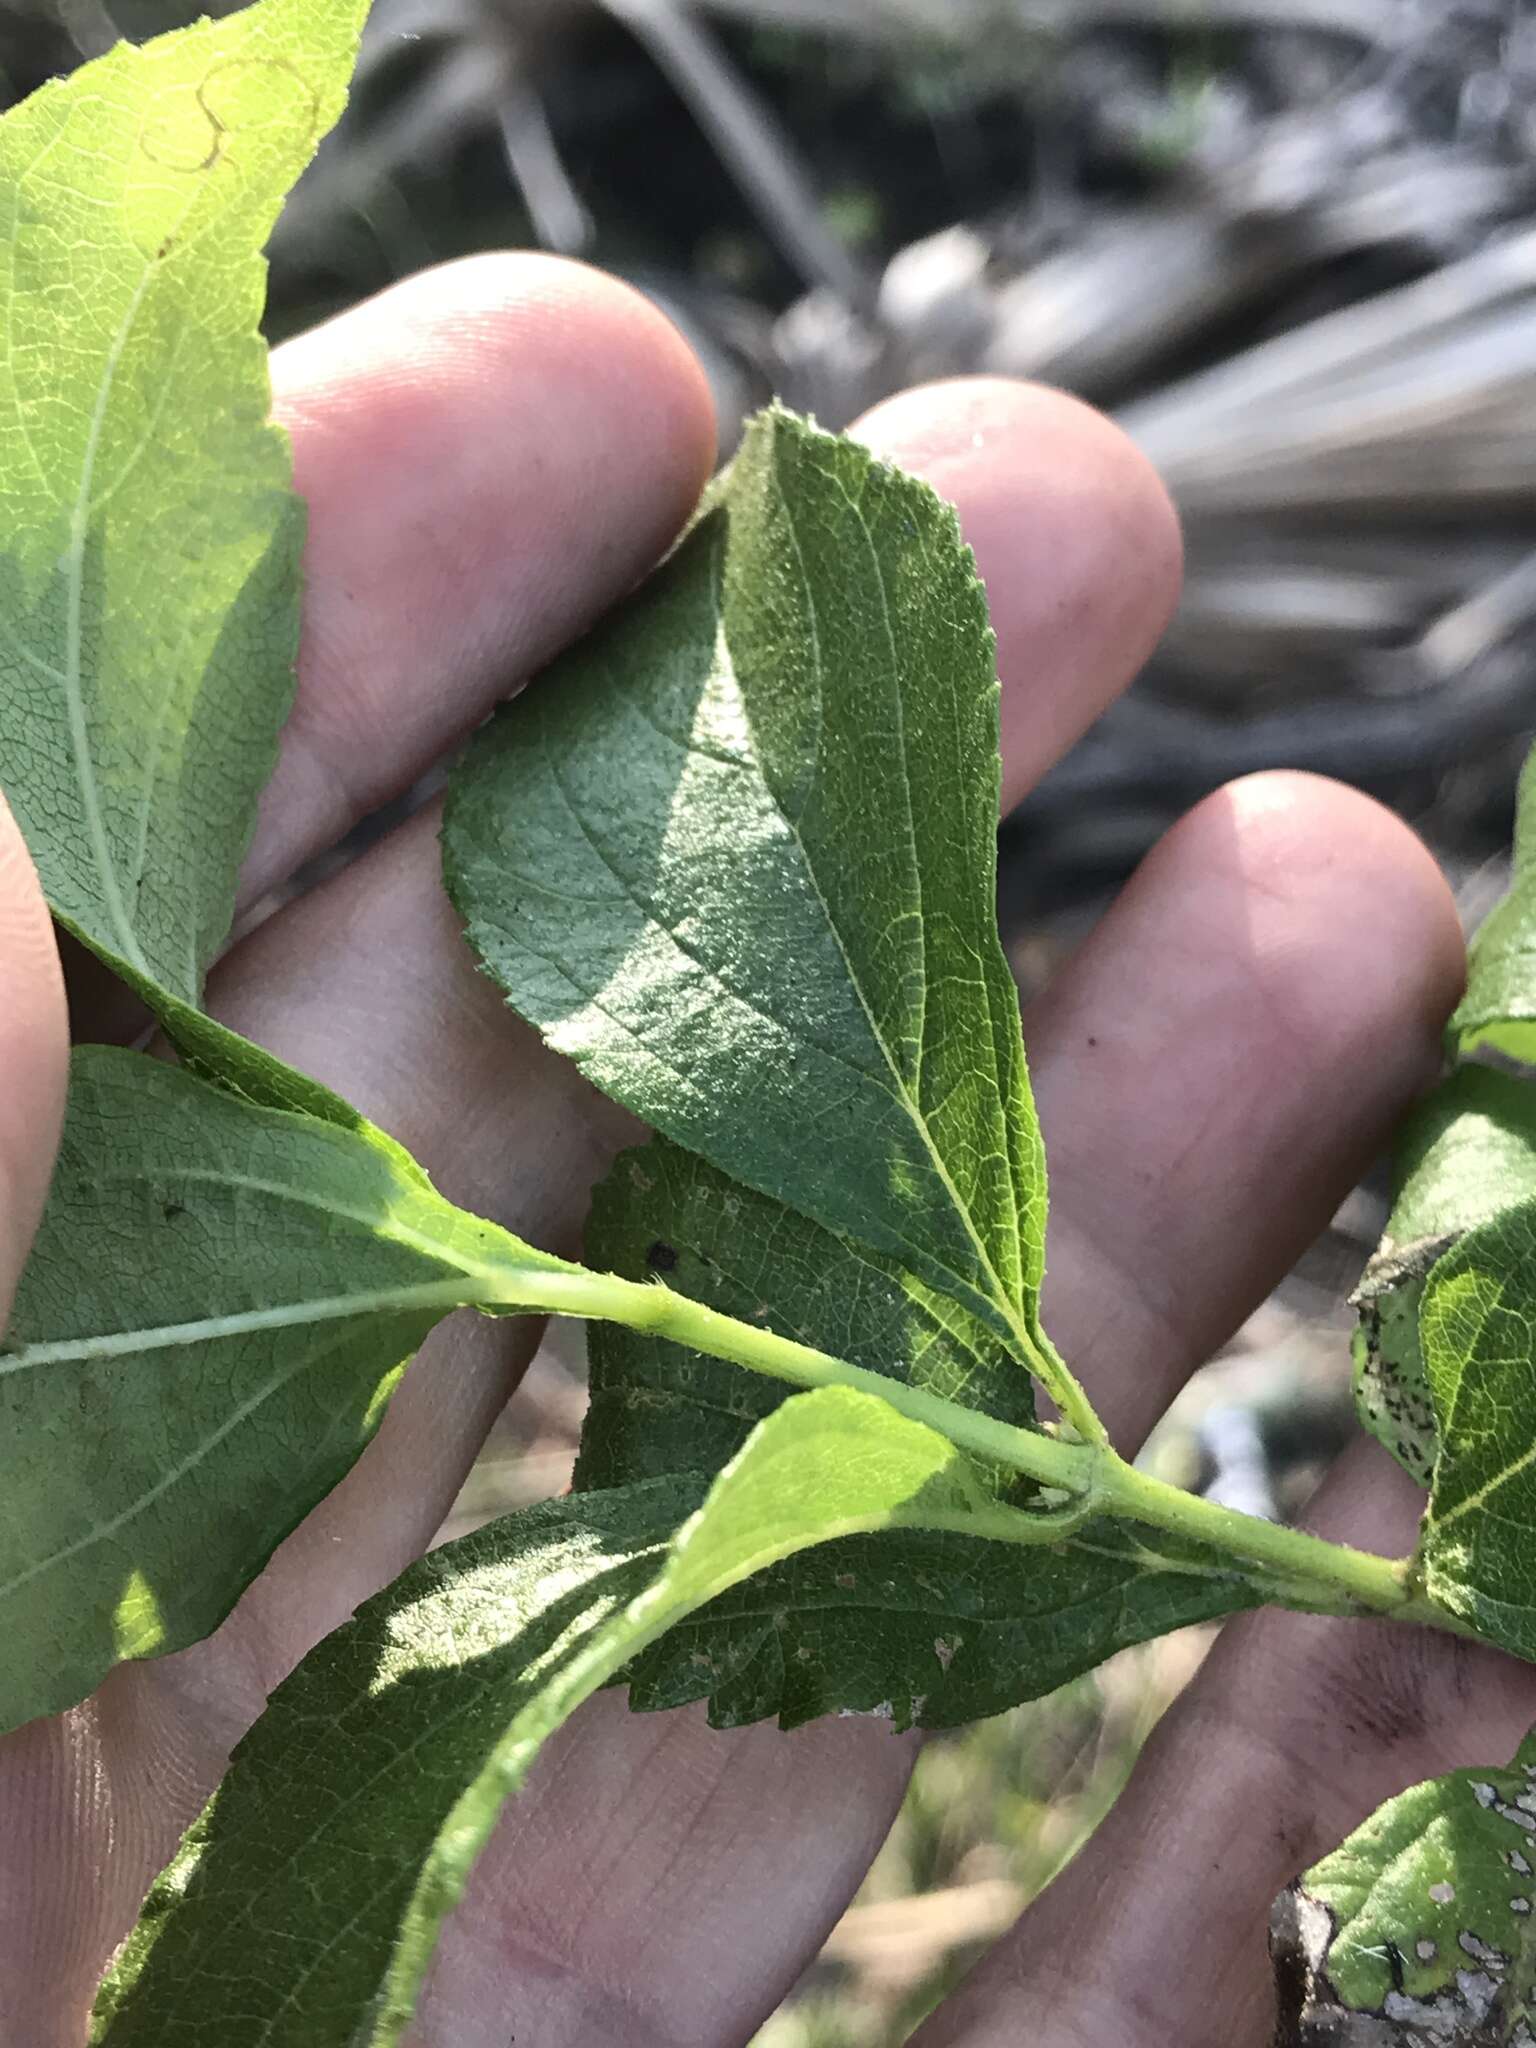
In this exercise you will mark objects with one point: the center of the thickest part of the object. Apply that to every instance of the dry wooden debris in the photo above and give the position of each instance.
(1299, 259)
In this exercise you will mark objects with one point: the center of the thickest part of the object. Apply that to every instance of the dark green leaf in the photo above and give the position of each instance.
(305, 1904)
(218, 1305)
(933, 1628)
(663, 1213)
(737, 860)
(1420, 1932)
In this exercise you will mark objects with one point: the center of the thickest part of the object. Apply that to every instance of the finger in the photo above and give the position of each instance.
(366, 983)
(34, 1058)
(491, 453)
(658, 1883)
(391, 1009)
(1294, 1731)
(34, 1054)
(1220, 1062)
(1260, 963)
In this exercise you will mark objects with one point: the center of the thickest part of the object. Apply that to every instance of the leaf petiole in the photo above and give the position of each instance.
(1064, 1388)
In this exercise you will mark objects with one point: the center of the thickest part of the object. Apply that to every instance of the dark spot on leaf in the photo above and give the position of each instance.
(171, 1210)
(661, 1258)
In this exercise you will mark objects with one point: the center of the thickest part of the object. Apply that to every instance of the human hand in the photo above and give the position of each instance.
(491, 456)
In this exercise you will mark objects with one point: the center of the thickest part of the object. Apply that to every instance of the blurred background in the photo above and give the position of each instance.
(1291, 244)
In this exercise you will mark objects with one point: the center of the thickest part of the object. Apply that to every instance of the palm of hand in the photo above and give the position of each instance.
(491, 457)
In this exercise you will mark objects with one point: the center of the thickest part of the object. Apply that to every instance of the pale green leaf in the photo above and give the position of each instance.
(1420, 1932)
(736, 857)
(1467, 1152)
(150, 544)
(933, 1628)
(219, 1302)
(1477, 1551)
(304, 1907)
(218, 1305)
(1498, 1011)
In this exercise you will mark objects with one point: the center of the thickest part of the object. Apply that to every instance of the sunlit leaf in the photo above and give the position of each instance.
(373, 1780)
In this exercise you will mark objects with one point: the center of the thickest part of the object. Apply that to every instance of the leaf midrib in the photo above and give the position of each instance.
(73, 564)
(995, 1290)
(1002, 1299)
(445, 1294)
(168, 1480)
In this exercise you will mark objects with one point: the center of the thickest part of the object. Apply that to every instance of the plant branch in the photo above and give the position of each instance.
(1349, 1581)
(1288, 1566)
(647, 1305)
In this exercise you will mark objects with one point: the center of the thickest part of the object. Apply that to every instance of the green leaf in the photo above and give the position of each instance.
(218, 1306)
(665, 1214)
(1498, 1011)
(149, 575)
(1467, 1153)
(933, 1628)
(149, 563)
(149, 614)
(305, 1904)
(1420, 1932)
(737, 859)
(1477, 1551)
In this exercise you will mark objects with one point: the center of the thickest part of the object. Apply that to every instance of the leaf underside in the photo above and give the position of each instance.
(1421, 1929)
(933, 1628)
(1498, 1012)
(439, 1695)
(1477, 1550)
(736, 857)
(1467, 1152)
(220, 1297)
(220, 1302)
(149, 560)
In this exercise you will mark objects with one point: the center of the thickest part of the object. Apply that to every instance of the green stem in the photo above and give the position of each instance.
(641, 1305)
(1287, 1565)
(1350, 1580)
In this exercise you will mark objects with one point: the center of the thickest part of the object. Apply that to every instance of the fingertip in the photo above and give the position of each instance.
(494, 326)
(34, 1052)
(656, 387)
(1353, 925)
(1227, 1053)
(1075, 536)
(492, 454)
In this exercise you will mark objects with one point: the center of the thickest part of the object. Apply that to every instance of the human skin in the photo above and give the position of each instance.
(492, 455)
